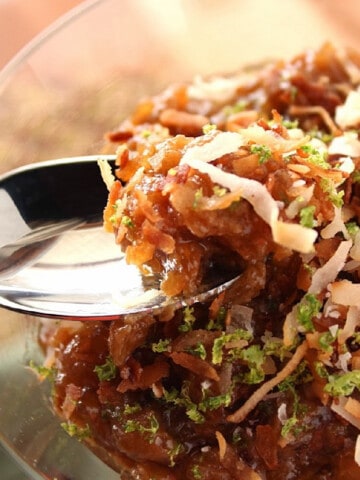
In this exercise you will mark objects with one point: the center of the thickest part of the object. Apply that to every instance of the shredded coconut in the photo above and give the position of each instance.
(290, 235)
(355, 249)
(328, 272)
(335, 226)
(357, 450)
(348, 114)
(346, 144)
(266, 387)
(345, 292)
(106, 173)
(219, 144)
(352, 321)
(218, 89)
(281, 413)
(338, 407)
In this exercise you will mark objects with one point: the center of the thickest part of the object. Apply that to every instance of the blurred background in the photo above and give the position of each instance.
(263, 29)
(269, 27)
(21, 20)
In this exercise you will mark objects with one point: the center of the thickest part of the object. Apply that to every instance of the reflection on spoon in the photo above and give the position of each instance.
(57, 261)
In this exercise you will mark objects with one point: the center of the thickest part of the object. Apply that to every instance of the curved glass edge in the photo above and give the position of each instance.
(31, 433)
(71, 16)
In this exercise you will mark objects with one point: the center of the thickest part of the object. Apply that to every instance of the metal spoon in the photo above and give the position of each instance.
(55, 258)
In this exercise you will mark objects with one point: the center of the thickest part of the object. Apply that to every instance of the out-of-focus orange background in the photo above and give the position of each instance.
(293, 24)
(21, 20)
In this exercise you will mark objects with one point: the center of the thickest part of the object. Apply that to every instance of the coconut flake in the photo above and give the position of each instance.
(299, 183)
(333, 329)
(281, 413)
(206, 449)
(355, 249)
(298, 168)
(346, 144)
(301, 201)
(331, 310)
(338, 406)
(120, 206)
(218, 145)
(218, 89)
(343, 360)
(289, 235)
(290, 327)
(335, 226)
(253, 191)
(277, 143)
(346, 293)
(106, 173)
(222, 444)
(352, 321)
(295, 133)
(319, 146)
(357, 450)
(346, 165)
(294, 236)
(328, 272)
(348, 114)
(206, 384)
(135, 179)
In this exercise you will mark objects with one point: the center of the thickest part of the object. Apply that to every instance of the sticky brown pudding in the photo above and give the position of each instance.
(259, 174)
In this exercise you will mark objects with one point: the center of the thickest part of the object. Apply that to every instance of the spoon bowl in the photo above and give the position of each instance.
(56, 260)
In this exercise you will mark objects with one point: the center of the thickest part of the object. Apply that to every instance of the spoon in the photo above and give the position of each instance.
(57, 261)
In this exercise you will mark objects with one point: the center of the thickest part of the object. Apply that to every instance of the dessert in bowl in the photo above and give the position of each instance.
(257, 175)
(259, 383)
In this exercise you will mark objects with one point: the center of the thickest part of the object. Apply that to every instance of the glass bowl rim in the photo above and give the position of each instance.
(10, 68)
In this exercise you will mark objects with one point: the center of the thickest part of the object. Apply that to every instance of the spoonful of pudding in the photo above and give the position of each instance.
(56, 259)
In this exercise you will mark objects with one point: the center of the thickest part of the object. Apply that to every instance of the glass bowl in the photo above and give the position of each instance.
(74, 82)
